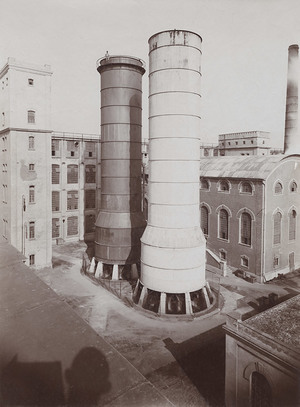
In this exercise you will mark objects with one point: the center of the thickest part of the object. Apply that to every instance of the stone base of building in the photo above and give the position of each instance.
(161, 303)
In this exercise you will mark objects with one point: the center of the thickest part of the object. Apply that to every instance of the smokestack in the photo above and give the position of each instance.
(173, 246)
(120, 222)
(292, 136)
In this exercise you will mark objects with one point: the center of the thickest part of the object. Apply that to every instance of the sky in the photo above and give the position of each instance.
(244, 54)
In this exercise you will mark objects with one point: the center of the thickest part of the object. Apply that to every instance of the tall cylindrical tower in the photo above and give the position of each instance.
(292, 136)
(120, 222)
(173, 245)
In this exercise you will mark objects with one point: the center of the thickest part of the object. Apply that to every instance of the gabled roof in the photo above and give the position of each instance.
(255, 167)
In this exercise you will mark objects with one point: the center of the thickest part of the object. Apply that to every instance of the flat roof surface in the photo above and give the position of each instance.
(281, 322)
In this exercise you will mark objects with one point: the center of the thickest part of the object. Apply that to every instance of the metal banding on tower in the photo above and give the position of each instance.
(120, 222)
(173, 245)
(292, 136)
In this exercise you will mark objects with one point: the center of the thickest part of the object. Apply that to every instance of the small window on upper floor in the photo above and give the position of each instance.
(293, 186)
(31, 167)
(31, 142)
(278, 188)
(246, 188)
(263, 142)
(223, 186)
(251, 141)
(244, 142)
(229, 143)
(204, 184)
(236, 142)
(31, 116)
(30, 82)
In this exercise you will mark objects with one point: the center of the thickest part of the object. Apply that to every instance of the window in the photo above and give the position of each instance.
(55, 148)
(236, 143)
(204, 219)
(72, 149)
(31, 167)
(55, 173)
(30, 81)
(31, 259)
(90, 223)
(224, 186)
(31, 230)
(55, 201)
(55, 227)
(31, 194)
(244, 261)
(72, 174)
(261, 395)
(278, 188)
(276, 261)
(245, 188)
(31, 116)
(229, 143)
(204, 184)
(90, 199)
(206, 152)
(90, 174)
(245, 229)
(277, 228)
(90, 149)
(222, 254)
(244, 142)
(72, 226)
(31, 142)
(293, 186)
(251, 141)
(72, 200)
(292, 225)
(223, 224)
(215, 152)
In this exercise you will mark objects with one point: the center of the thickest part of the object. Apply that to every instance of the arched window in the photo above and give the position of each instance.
(246, 187)
(261, 393)
(277, 228)
(204, 219)
(245, 229)
(31, 194)
(292, 225)
(223, 186)
(55, 173)
(293, 186)
(278, 188)
(204, 183)
(31, 116)
(31, 142)
(72, 174)
(223, 224)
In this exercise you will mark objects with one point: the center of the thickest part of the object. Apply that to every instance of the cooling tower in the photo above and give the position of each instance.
(120, 222)
(292, 136)
(173, 246)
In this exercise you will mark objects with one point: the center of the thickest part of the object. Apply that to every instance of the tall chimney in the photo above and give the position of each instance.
(120, 222)
(292, 136)
(173, 245)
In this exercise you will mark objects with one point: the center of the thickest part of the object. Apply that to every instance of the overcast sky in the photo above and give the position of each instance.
(244, 61)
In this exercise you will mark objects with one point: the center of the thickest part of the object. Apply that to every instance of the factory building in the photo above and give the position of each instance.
(244, 143)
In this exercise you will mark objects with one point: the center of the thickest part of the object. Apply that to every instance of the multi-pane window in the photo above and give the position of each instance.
(72, 200)
(246, 229)
(31, 142)
(223, 224)
(31, 259)
(261, 394)
(72, 149)
(72, 174)
(292, 225)
(55, 148)
(55, 227)
(246, 187)
(31, 230)
(90, 149)
(278, 188)
(90, 223)
(223, 186)
(204, 183)
(90, 174)
(204, 219)
(31, 194)
(31, 116)
(55, 173)
(244, 261)
(277, 228)
(293, 187)
(90, 198)
(55, 201)
(72, 225)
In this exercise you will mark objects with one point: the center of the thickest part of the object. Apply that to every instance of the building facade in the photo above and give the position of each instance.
(244, 143)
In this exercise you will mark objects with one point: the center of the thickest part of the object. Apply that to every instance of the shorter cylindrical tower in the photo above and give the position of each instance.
(173, 245)
(292, 136)
(120, 222)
